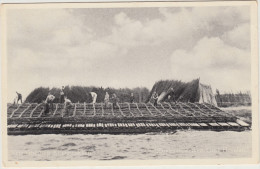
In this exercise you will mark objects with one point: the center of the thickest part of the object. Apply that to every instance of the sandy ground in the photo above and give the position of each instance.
(182, 144)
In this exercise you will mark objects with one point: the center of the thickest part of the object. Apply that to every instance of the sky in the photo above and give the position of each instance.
(128, 47)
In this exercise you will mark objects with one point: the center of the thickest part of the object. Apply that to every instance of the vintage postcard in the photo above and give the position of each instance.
(133, 83)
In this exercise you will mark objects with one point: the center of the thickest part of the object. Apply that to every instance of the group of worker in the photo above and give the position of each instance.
(68, 104)
(114, 99)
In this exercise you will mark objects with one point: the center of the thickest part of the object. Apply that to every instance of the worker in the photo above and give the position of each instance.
(168, 99)
(49, 102)
(115, 100)
(171, 95)
(62, 95)
(132, 98)
(106, 99)
(180, 99)
(15, 100)
(155, 98)
(19, 97)
(94, 97)
(67, 105)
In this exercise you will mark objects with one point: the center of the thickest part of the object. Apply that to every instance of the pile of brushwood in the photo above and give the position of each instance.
(184, 92)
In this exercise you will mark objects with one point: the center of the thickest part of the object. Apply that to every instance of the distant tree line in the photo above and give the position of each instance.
(82, 94)
(229, 99)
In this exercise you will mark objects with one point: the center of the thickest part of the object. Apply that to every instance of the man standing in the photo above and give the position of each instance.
(68, 105)
(132, 98)
(49, 102)
(94, 97)
(19, 97)
(115, 100)
(62, 95)
(168, 99)
(15, 100)
(155, 98)
(171, 95)
(106, 100)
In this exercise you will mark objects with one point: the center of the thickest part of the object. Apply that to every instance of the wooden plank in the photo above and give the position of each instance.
(156, 125)
(173, 124)
(183, 124)
(162, 124)
(203, 124)
(50, 126)
(151, 124)
(214, 124)
(242, 123)
(112, 109)
(233, 124)
(44, 125)
(31, 126)
(224, 124)
(102, 109)
(194, 125)
(84, 112)
(58, 126)
(38, 125)
(12, 126)
(75, 109)
(147, 124)
(142, 125)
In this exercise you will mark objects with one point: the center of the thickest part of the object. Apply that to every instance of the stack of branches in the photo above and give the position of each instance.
(185, 92)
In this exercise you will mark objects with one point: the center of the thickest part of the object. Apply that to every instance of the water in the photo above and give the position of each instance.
(178, 145)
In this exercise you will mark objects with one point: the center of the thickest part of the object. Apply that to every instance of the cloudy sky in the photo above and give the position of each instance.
(128, 47)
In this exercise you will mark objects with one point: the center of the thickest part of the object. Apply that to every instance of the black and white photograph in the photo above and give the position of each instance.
(112, 82)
